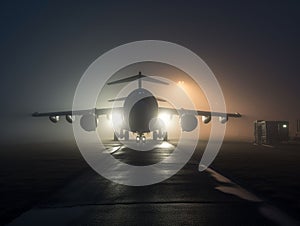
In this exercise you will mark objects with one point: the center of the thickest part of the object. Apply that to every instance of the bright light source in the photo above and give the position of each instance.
(116, 119)
(166, 118)
(284, 125)
(181, 84)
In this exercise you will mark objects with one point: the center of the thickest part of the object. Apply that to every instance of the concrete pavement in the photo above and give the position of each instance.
(188, 198)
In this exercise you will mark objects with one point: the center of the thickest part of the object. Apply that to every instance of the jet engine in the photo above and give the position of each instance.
(69, 118)
(54, 118)
(206, 119)
(188, 122)
(89, 122)
(223, 119)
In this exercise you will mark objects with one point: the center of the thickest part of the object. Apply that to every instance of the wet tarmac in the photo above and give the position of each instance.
(188, 198)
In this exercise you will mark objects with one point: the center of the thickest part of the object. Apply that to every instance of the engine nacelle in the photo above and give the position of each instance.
(223, 119)
(89, 122)
(188, 122)
(54, 118)
(69, 118)
(206, 119)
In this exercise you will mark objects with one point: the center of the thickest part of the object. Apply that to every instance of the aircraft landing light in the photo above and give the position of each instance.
(166, 118)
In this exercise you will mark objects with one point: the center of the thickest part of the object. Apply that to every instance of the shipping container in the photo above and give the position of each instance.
(271, 132)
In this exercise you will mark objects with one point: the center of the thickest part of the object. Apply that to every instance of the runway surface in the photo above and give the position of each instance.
(188, 198)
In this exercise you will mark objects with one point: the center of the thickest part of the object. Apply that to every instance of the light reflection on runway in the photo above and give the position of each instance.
(189, 197)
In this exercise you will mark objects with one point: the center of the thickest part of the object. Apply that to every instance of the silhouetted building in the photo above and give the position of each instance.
(297, 135)
(271, 132)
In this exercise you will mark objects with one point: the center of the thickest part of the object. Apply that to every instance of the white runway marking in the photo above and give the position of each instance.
(270, 212)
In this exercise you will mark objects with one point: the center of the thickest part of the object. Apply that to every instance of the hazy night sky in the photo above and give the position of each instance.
(252, 47)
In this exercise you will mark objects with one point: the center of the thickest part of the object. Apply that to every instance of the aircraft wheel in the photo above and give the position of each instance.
(126, 135)
(160, 134)
(166, 136)
(138, 139)
(115, 137)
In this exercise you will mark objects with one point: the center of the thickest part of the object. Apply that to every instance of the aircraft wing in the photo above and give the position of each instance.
(106, 111)
(95, 111)
(201, 113)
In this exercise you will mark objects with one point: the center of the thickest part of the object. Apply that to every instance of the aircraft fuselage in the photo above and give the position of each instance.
(140, 107)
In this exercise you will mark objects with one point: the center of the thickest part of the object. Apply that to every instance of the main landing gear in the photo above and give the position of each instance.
(157, 135)
(124, 134)
(160, 135)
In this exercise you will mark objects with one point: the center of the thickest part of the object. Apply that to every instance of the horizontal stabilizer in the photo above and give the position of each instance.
(129, 79)
(123, 98)
(136, 77)
(154, 80)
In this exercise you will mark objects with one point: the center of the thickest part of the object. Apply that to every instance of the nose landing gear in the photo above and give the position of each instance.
(140, 138)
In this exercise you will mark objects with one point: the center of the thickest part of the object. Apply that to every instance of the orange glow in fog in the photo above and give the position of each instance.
(181, 84)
